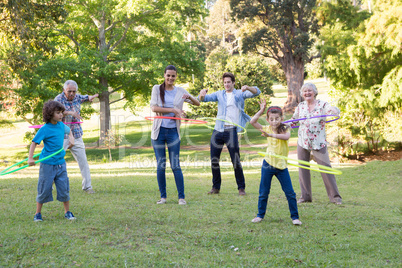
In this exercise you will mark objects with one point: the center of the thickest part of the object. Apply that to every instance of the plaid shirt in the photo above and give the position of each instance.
(75, 106)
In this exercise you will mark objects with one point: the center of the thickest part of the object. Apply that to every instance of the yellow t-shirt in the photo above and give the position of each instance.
(278, 147)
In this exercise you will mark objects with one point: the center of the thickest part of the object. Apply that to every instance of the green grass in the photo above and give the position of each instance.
(121, 226)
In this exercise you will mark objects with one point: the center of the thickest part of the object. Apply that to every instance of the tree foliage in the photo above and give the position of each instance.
(221, 26)
(106, 46)
(281, 30)
(363, 56)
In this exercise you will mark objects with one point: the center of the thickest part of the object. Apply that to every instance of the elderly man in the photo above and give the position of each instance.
(72, 101)
(230, 115)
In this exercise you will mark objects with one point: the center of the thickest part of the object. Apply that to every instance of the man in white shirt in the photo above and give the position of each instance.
(231, 112)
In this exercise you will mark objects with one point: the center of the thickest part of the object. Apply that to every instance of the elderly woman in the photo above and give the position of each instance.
(312, 139)
(167, 101)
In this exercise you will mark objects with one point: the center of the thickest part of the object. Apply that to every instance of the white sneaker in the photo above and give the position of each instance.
(296, 222)
(89, 191)
(182, 202)
(256, 219)
(162, 201)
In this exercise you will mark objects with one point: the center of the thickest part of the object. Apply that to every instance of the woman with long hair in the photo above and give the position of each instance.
(167, 100)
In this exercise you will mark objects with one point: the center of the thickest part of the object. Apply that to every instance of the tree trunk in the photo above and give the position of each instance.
(104, 110)
(104, 96)
(294, 71)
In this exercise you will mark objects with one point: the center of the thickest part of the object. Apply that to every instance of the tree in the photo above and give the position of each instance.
(112, 46)
(363, 56)
(221, 26)
(25, 27)
(280, 30)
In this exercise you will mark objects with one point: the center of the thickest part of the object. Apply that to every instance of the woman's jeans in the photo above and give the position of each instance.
(267, 172)
(170, 137)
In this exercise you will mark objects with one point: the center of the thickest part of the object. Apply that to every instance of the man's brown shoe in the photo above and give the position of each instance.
(242, 192)
(214, 191)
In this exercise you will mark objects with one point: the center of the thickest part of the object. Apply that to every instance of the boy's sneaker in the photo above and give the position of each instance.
(69, 215)
(162, 201)
(182, 202)
(256, 219)
(296, 222)
(38, 217)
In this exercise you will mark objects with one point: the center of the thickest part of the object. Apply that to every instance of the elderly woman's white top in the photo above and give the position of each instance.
(312, 134)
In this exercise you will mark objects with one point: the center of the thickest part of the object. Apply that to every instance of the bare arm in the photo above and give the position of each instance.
(333, 110)
(193, 100)
(177, 112)
(91, 98)
(70, 140)
(251, 89)
(283, 136)
(72, 113)
(31, 161)
(254, 120)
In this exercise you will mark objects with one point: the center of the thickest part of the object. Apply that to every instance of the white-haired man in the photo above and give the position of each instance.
(72, 102)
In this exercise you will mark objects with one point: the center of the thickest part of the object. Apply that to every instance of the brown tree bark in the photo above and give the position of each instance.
(104, 119)
(104, 96)
(294, 71)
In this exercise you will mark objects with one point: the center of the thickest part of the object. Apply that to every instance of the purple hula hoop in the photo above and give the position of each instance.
(317, 116)
(39, 126)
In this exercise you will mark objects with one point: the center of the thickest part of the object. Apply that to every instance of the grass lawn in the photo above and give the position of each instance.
(121, 225)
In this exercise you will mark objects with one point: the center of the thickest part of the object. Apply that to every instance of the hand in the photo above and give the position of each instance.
(263, 104)
(203, 92)
(333, 110)
(70, 145)
(76, 115)
(186, 96)
(31, 162)
(244, 88)
(179, 113)
(91, 98)
(265, 134)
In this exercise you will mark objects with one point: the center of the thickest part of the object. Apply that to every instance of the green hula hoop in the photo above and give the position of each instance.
(223, 120)
(4, 172)
(320, 168)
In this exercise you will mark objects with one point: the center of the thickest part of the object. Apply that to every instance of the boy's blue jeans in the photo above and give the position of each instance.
(267, 172)
(170, 137)
(49, 174)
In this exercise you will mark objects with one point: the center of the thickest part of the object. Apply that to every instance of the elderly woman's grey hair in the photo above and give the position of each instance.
(70, 82)
(310, 86)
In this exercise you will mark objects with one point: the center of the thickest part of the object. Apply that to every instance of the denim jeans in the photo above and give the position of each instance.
(218, 139)
(49, 174)
(170, 137)
(267, 172)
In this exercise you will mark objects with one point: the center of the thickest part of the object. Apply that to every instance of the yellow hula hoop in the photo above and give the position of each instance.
(223, 120)
(320, 168)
